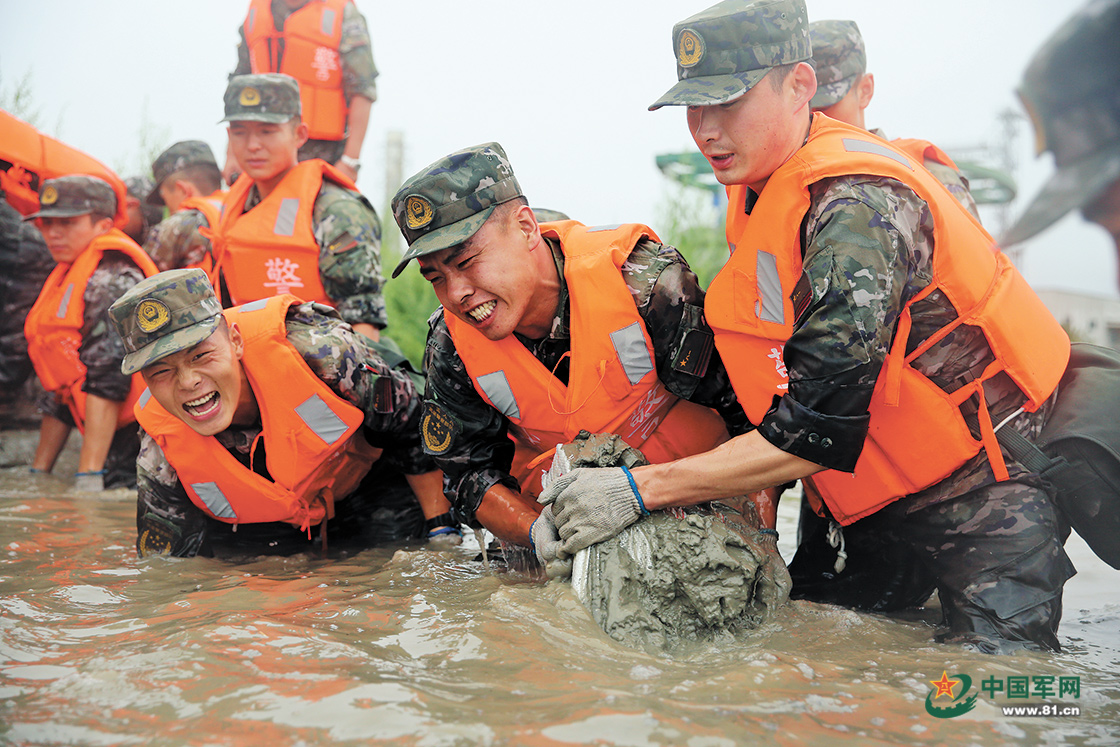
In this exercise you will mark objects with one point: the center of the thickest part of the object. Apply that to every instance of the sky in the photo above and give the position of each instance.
(562, 86)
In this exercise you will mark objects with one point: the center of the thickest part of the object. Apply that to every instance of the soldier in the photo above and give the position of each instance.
(77, 356)
(840, 315)
(325, 45)
(189, 183)
(845, 88)
(266, 420)
(290, 226)
(141, 217)
(546, 330)
(1070, 91)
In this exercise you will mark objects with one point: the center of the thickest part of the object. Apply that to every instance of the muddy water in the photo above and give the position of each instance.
(406, 646)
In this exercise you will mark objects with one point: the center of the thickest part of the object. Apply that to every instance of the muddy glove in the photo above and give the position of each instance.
(546, 544)
(592, 504)
(90, 482)
(772, 583)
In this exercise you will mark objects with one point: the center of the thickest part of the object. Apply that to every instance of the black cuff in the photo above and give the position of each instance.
(443, 520)
(832, 441)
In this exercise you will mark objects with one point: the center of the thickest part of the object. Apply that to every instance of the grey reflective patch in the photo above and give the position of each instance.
(252, 18)
(630, 347)
(321, 419)
(864, 146)
(771, 300)
(64, 306)
(328, 22)
(214, 499)
(286, 217)
(254, 305)
(596, 229)
(144, 397)
(497, 389)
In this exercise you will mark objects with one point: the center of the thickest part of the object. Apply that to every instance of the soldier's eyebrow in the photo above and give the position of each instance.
(427, 272)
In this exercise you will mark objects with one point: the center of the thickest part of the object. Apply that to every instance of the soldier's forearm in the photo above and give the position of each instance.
(100, 425)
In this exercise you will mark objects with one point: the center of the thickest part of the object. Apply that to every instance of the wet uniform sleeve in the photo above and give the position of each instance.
(353, 368)
(359, 74)
(176, 242)
(167, 523)
(863, 239)
(468, 438)
(102, 350)
(671, 303)
(244, 66)
(348, 233)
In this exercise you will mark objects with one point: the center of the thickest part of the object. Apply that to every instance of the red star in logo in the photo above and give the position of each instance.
(944, 685)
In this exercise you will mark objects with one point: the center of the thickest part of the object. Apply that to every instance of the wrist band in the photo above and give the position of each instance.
(89, 474)
(634, 487)
(443, 520)
(443, 530)
(33, 471)
(772, 532)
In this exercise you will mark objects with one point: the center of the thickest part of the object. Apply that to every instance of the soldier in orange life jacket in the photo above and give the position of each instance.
(75, 353)
(189, 184)
(545, 330)
(845, 88)
(874, 334)
(267, 421)
(289, 226)
(325, 45)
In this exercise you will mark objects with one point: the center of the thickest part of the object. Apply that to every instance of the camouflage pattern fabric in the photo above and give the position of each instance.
(348, 232)
(839, 57)
(670, 302)
(176, 158)
(141, 187)
(25, 264)
(953, 180)
(714, 65)
(167, 521)
(69, 196)
(264, 97)
(359, 74)
(177, 242)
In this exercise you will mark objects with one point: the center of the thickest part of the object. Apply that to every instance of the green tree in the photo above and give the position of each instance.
(409, 300)
(694, 225)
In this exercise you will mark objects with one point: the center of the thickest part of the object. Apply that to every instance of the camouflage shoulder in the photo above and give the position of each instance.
(436, 320)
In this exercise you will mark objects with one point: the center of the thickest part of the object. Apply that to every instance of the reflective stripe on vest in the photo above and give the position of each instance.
(770, 307)
(286, 217)
(866, 146)
(630, 347)
(64, 305)
(497, 389)
(321, 419)
(214, 499)
(327, 24)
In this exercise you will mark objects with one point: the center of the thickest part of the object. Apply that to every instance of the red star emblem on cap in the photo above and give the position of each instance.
(944, 685)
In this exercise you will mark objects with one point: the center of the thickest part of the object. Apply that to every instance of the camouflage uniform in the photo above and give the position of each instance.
(993, 549)
(177, 241)
(359, 75)
(383, 507)
(25, 264)
(139, 187)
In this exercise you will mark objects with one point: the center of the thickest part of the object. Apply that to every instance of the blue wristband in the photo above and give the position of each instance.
(772, 532)
(443, 530)
(634, 487)
(89, 474)
(33, 471)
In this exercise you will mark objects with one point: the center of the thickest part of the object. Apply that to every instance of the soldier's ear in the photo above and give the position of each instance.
(236, 341)
(802, 82)
(302, 134)
(865, 89)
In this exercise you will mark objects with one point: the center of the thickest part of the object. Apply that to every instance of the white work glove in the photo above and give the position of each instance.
(591, 504)
(90, 482)
(546, 544)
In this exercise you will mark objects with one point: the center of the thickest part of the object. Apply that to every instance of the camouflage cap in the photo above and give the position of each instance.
(164, 314)
(1071, 91)
(839, 58)
(176, 158)
(723, 51)
(447, 202)
(266, 97)
(68, 196)
(544, 215)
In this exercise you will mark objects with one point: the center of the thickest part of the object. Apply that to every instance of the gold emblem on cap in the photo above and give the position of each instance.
(50, 196)
(418, 212)
(152, 315)
(690, 48)
(249, 97)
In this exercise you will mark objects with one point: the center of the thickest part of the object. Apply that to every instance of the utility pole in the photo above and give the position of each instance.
(394, 167)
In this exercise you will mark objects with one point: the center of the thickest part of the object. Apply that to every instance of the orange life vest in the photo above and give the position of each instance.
(917, 434)
(315, 451)
(612, 385)
(34, 157)
(923, 150)
(53, 326)
(211, 208)
(271, 249)
(310, 42)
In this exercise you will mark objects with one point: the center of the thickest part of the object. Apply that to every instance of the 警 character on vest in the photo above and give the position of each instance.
(292, 227)
(265, 421)
(845, 88)
(547, 329)
(188, 183)
(76, 355)
(841, 317)
(325, 45)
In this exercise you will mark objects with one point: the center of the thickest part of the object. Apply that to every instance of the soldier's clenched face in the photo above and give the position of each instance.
(266, 151)
(205, 386)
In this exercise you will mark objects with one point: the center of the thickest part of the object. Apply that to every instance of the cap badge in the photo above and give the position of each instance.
(152, 315)
(50, 196)
(249, 97)
(418, 212)
(690, 48)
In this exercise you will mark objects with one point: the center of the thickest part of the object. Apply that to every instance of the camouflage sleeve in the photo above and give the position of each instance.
(359, 75)
(671, 303)
(468, 438)
(865, 239)
(102, 349)
(956, 183)
(176, 242)
(354, 369)
(348, 232)
(167, 523)
(244, 67)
